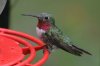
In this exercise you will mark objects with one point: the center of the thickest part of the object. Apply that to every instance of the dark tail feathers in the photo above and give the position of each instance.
(81, 51)
(75, 50)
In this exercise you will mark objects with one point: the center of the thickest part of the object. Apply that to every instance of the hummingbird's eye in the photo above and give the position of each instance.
(46, 17)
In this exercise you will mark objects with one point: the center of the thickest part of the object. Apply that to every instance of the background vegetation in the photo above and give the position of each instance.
(79, 19)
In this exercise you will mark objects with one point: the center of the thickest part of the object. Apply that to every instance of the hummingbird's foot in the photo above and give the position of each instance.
(50, 50)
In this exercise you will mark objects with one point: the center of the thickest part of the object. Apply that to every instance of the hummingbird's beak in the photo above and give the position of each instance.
(30, 15)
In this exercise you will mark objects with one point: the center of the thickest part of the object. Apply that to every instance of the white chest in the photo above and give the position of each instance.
(39, 31)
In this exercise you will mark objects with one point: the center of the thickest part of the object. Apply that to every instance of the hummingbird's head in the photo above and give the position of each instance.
(43, 18)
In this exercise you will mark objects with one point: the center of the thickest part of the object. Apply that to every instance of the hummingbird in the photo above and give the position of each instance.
(53, 37)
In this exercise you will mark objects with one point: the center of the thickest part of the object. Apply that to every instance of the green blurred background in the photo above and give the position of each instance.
(79, 19)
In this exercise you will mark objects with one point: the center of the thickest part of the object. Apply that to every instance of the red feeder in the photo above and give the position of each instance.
(12, 53)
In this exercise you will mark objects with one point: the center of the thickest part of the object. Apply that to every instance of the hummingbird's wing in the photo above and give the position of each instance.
(54, 37)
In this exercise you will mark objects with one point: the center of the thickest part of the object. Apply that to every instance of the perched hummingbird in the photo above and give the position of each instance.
(53, 37)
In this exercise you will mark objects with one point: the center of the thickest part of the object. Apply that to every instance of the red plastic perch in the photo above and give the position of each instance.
(12, 54)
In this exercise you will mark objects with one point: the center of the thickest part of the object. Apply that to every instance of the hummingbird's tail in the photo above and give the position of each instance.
(81, 50)
(74, 50)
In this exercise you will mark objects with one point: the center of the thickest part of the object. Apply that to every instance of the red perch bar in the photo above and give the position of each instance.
(14, 47)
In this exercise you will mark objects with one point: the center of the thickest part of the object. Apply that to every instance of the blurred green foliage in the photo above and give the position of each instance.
(79, 19)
